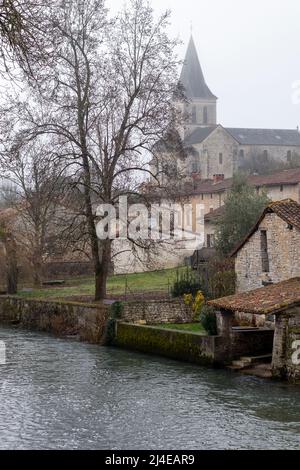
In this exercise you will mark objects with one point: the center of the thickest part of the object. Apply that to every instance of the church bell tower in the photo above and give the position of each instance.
(201, 106)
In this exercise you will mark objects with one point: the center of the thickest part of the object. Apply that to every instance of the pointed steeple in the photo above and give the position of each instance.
(192, 77)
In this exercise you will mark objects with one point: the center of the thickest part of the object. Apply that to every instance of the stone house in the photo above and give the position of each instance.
(281, 300)
(270, 253)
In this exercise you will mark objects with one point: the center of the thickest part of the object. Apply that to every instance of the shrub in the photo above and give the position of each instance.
(197, 305)
(208, 320)
(186, 283)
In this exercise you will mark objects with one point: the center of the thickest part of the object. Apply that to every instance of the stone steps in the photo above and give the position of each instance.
(249, 361)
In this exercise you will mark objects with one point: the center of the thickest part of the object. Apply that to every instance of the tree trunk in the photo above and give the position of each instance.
(11, 266)
(37, 273)
(102, 275)
(100, 278)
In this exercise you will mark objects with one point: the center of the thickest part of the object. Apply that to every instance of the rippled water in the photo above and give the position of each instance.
(58, 394)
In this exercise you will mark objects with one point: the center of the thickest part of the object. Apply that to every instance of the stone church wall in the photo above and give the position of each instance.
(219, 142)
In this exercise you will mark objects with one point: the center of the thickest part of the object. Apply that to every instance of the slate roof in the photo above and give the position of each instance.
(192, 78)
(198, 135)
(265, 136)
(281, 137)
(288, 210)
(272, 299)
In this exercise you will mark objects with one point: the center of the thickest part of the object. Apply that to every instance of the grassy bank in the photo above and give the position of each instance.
(192, 327)
(156, 281)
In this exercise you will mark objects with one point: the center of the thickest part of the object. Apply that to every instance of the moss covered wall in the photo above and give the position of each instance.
(186, 346)
(61, 318)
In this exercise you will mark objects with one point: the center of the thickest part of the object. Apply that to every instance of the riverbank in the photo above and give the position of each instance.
(86, 322)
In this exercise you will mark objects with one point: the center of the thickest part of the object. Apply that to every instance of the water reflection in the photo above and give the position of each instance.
(62, 394)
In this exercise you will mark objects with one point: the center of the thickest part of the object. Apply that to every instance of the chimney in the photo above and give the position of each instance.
(218, 178)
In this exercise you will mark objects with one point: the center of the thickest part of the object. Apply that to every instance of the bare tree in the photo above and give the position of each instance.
(107, 99)
(22, 24)
(38, 189)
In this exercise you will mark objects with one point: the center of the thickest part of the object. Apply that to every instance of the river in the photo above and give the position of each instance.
(61, 394)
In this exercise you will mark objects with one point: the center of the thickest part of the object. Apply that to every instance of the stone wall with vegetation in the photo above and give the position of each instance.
(157, 311)
(87, 322)
(286, 351)
(185, 346)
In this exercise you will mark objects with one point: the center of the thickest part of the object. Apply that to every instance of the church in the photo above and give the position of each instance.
(199, 160)
(210, 151)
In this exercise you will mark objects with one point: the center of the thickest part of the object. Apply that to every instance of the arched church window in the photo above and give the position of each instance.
(205, 115)
(221, 158)
(241, 154)
(194, 115)
(195, 162)
(289, 156)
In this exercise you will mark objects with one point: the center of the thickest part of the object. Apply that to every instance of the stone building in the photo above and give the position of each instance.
(270, 253)
(281, 300)
(206, 149)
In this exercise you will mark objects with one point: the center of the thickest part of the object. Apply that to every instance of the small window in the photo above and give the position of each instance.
(211, 196)
(242, 154)
(289, 156)
(210, 240)
(202, 196)
(205, 115)
(221, 158)
(264, 251)
(266, 154)
(281, 188)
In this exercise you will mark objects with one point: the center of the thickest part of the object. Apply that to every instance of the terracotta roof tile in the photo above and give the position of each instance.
(266, 300)
(214, 215)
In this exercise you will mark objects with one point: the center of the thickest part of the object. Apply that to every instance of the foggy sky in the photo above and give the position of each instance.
(249, 51)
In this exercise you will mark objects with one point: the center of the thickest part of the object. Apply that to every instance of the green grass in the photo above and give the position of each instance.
(140, 282)
(193, 327)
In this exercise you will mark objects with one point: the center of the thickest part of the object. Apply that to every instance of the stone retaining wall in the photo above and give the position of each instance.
(85, 321)
(157, 311)
(182, 345)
